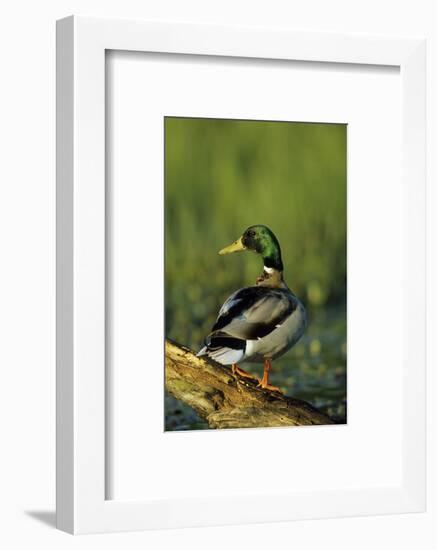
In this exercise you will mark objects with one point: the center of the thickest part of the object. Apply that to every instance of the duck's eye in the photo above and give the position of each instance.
(251, 233)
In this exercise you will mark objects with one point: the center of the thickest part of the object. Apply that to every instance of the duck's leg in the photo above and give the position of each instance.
(264, 382)
(241, 372)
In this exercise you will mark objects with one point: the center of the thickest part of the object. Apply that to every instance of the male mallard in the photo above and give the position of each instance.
(257, 323)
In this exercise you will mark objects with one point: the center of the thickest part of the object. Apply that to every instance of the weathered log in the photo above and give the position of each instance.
(226, 400)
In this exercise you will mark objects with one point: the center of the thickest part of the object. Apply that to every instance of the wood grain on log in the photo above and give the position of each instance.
(225, 400)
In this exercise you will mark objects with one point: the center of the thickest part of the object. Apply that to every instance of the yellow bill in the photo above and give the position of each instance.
(234, 247)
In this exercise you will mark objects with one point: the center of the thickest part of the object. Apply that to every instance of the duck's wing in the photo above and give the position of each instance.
(249, 314)
(254, 312)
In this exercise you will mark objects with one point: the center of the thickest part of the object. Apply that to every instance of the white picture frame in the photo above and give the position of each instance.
(81, 478)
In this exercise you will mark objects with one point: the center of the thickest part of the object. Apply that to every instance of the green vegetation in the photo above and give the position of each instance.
(222, 176)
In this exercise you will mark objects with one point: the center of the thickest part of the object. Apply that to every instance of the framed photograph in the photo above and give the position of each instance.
(291, 176)
(240, 275)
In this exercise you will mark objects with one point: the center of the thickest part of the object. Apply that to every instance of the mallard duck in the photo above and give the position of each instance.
(257, 324)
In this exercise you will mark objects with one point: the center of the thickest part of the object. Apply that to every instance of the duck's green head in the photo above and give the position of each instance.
(261, 240)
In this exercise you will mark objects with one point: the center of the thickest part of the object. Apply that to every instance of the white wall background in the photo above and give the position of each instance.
(27, 272)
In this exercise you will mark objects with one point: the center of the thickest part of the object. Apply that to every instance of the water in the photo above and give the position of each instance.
(314, 370)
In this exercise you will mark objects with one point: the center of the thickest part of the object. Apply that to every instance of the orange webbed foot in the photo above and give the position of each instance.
(268, 387)
(264, 382)
(244, 374)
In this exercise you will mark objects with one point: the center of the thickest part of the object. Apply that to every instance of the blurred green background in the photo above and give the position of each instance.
(222, 176)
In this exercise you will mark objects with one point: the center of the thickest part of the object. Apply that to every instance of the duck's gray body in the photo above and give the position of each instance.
(254, 324)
